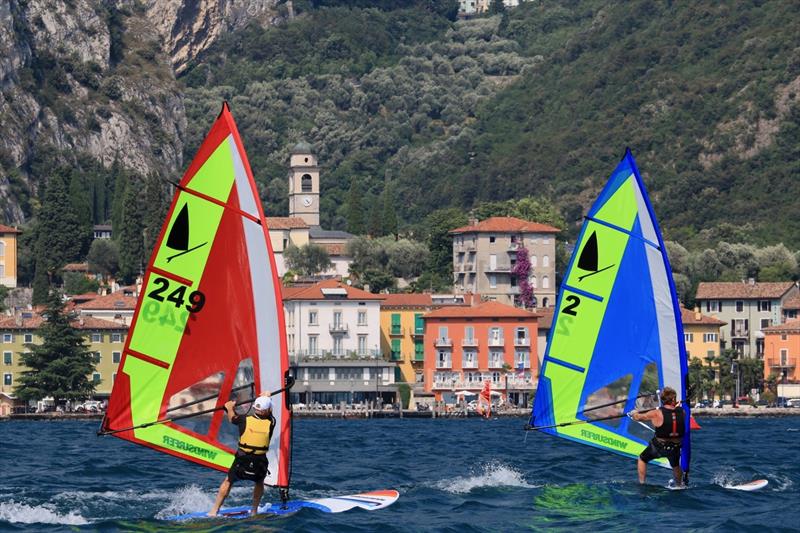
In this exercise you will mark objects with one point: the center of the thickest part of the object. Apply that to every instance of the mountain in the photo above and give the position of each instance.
(540, 100)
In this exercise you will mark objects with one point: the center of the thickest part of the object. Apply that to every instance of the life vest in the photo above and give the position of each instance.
(674, 425)
(255, 437)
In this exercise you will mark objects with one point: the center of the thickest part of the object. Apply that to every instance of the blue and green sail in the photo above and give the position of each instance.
(617, 336)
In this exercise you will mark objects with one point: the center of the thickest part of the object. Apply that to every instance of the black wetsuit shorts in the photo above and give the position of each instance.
(249, 467)
(659, 448)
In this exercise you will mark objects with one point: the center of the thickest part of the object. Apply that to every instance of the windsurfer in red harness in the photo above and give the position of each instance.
(250, 463)
(669, 421)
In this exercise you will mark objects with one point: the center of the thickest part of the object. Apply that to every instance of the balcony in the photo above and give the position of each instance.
(300, 356)
(495, 364)
(469, 342)
(522, 342)
(419, 356)
(740, 332)
(444, 363)
(443, 342)
(514, 247)
(790, 362)
(418, 332)
(497, 343)
(500, 268)
(397, 330)
(467, 267)
(338, 328)
(396, 356)
(469, 364)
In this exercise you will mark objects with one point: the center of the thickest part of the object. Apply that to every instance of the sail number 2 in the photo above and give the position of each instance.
(178, 297)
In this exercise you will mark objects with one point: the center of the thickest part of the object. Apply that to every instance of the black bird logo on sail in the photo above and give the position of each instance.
(588, 260)
(178, 238)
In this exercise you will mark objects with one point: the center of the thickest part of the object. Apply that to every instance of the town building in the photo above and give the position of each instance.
(545, 324)
(333, 336)
(8, 255)
(467, 345)
(403, 331)
(472, 7)
(302, 226)
(781, 353)
(115, 307)
(103, 338)
(101, 231)
(791, 308)
(485, 253)
(701, 334)
(748, 307)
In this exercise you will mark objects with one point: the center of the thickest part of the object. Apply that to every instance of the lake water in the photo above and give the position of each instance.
(453, 475)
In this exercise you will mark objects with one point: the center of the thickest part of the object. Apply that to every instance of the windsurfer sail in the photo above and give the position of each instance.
(209, 323)
(617, 336)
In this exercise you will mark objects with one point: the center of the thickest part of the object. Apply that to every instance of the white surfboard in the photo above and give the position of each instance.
(369, 501)
(749, 486)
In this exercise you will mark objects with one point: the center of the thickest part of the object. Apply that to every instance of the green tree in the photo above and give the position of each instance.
(155, 210)
(58, 367)
(131, 242)
(355, 209)
(407, 258)
(389, 212)
(375, 221)
(497, 7)
(41, 284)
(377, 280)
(120, 180)
(308, 260)
(81, 206)
(104, 257)
(3, 296)
(58, 233)
(436, 233)
(77, 283)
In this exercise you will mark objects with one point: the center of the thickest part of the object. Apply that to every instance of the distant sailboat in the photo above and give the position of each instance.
(617, 336)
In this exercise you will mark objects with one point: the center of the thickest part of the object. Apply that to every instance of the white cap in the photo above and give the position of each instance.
(262, 403)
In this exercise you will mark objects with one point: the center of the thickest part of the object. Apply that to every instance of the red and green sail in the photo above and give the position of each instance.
(209, 322)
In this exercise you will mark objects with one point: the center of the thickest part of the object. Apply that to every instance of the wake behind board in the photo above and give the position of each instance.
(750, 486)
(369, 501)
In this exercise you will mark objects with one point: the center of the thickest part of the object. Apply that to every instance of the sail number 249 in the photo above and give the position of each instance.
(178, 297)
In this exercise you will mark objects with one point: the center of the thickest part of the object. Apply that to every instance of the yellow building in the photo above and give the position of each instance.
(701, 333)
(103, 338)
(8, 256)
(402, 330)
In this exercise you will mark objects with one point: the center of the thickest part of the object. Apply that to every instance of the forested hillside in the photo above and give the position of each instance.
(541, 100)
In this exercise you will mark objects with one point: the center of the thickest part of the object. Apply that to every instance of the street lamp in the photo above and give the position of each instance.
(735, 368)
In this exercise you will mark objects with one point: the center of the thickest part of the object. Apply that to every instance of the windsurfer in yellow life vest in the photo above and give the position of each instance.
(250, 463)
(669, 421)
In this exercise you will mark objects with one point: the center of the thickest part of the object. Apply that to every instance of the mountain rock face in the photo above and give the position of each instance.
(188, 28)
(96, 78)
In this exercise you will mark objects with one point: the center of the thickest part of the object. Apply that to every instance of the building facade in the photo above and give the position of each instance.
(465, 346)
(8, 255)
(103, 338)
(748, 307)
(485, 253)
(701, 334)
(116, 307)
(333, 337)
(781, 352)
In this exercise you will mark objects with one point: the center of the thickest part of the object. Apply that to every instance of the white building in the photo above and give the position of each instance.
(333, 336)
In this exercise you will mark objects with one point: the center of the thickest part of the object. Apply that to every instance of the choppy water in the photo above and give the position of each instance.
(453, 475)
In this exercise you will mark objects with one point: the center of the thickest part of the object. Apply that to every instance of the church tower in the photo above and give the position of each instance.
(304, 184)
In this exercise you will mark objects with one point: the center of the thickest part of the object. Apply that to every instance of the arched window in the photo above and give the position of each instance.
(306, 182)
(545, 282)
(546, 261)
(546, 302)
(533, 261)
(534, 282)
(534, 302)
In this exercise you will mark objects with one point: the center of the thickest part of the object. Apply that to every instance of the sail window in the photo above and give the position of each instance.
(197, 397)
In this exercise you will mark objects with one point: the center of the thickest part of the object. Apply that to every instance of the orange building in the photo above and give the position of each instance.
(8, 255)
(464, 346)
(781, 350)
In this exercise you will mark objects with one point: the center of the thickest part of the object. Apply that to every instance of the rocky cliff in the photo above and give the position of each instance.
(97, 78)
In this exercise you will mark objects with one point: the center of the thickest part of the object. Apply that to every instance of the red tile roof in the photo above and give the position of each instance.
(691, 317)
(793, 302)
(507, 225)
(8, 229)
(484, 310)
(546, 317)
(729, 290)
(34, 322)
(286, 223)
(407, 300)
(789, 327)
(114, 301)
(314, 292)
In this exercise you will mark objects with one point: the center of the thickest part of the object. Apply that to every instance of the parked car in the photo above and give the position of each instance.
(793, 402)
(89, 406)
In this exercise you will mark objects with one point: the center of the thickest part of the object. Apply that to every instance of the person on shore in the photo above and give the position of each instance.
(250, 463)
(669, 421)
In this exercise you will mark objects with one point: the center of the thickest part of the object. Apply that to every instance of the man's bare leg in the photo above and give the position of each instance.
(677, 473)
(641, 468)
(224, 489)
(258, 491)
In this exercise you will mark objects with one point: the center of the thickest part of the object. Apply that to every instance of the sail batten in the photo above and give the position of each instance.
(208, 326)
(616, 336)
